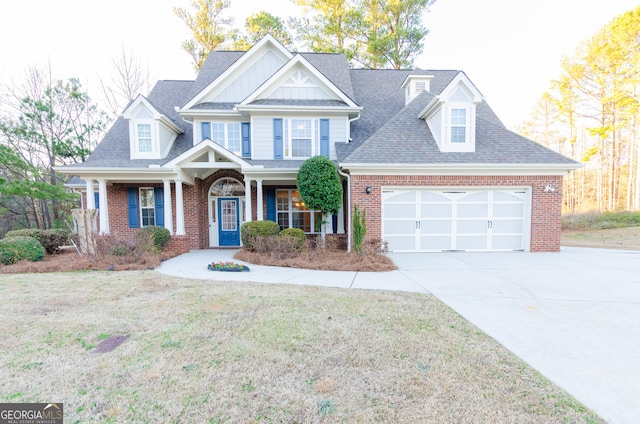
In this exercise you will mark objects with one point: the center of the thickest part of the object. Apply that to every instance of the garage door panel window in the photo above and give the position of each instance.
(402, 197)
(401, 227)
(474, 226)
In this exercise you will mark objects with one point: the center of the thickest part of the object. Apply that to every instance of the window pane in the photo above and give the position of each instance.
(301, 128)
(458, 117)
(458, 134)
(217, 133)
(234, 139)
(144, 137)
(146, 197)
(300, 148)
(148, 217)
(283, 220)
(302, 220)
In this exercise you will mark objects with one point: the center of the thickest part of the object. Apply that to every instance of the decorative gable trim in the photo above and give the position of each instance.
(251, 54)
(156, 114)
(207, 155)
(286, 73)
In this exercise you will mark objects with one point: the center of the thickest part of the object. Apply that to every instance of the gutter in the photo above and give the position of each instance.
(348, 211)
(349, 139)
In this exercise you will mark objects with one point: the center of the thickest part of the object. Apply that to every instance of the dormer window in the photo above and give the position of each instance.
(414, 85)
(144, 138)
(458, 126)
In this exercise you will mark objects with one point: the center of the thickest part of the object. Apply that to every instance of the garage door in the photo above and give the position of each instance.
(454, 220)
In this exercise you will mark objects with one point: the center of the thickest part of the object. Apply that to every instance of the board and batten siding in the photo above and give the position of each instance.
(262, 136)
(248, 80)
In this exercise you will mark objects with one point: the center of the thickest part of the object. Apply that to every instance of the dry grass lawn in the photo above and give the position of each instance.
(627, 238)
(200, 351)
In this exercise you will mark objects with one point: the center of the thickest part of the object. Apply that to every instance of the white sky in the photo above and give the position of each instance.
(510, 49)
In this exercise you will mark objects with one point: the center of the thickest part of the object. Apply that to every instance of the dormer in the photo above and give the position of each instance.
(151, 133)
(414, 85)
(451, 115)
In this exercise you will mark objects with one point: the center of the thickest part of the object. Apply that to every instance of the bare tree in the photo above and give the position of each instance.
(128, 79)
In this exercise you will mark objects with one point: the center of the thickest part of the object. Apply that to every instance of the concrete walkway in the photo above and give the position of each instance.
(574, 315)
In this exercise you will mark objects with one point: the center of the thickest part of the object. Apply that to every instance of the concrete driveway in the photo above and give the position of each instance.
(573, 315)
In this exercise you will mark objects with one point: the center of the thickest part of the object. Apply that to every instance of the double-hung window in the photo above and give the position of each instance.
(458, 125)
(301, 138)
(147, 206)
(292, 213)
(144, 138)
(226, 134)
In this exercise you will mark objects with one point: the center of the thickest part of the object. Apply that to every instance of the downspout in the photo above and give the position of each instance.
(349, 139)
(349, 210)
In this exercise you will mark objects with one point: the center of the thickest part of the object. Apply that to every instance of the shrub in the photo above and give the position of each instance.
(254, 229)
(17, 248)
(51, 240)
(298, 236)
(160, 236)
(359, 228)
(278, 247)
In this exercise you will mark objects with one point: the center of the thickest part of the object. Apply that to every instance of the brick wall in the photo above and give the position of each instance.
(546, 207)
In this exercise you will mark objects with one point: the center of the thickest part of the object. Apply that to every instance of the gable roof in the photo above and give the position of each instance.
(406, 139)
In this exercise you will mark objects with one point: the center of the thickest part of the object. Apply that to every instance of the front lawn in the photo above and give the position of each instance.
(200, 351)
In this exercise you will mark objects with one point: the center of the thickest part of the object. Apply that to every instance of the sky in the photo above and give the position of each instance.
(510, 49)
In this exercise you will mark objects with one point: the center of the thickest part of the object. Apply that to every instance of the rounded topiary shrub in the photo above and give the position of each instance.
(159, 236)
(28, 232)
(295, 234)
(18, 248)
(250, 230)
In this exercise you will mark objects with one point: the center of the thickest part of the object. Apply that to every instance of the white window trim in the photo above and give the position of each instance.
(290, 211)
(135, 145)
(226, 134)
(140, 207)
(469, 144)
(287, 137)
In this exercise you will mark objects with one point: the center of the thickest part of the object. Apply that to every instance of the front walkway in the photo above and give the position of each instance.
(574, 315)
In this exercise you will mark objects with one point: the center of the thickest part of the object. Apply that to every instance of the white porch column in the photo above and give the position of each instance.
(179, 209)
(259, 200)
(168, 212)
(247, 196)
(104, 207)
(91, 200)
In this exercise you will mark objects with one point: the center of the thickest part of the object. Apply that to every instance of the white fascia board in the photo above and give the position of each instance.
(237, 65)
(185, 114)
(298, 59)
(202, 147)
(415, 76)
(461, 77)
(459, 169)
(286, 174)
(431, 107)
(170, 124)
(291, 108)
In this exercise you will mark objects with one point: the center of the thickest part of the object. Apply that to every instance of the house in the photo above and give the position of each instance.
(420, 150)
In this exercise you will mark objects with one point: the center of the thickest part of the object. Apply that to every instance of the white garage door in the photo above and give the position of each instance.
(454, 220)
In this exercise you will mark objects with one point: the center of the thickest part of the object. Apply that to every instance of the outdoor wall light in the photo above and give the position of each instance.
(549, 188)
(368, 190)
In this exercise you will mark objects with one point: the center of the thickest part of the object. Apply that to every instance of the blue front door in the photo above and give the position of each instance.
(229, 222)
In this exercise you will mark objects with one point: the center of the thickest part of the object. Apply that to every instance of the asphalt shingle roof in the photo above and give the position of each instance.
(388, 131)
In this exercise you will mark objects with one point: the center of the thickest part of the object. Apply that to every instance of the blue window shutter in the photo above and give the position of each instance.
(158, 197)
(206, 130)
(134, 219)
(246, 140)
(324, 137)
(96, 196)
(271, 204)
(277, 138)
